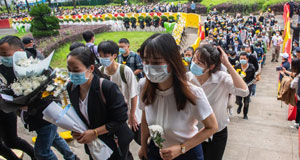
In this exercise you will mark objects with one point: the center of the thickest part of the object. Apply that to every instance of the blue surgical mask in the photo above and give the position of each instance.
(196, 69)
(242, 61)
(7, 61)
(78, 78)
(122, 50)
(188, 59)
(105, 61)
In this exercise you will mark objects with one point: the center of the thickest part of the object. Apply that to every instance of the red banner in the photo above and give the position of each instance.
(4, 23)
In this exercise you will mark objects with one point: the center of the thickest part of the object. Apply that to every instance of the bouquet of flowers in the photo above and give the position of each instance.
(68, 119)
(33, 76)
(241, 73)
(156, 133)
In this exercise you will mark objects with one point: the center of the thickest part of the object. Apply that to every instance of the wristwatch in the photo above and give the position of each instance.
(183, 150)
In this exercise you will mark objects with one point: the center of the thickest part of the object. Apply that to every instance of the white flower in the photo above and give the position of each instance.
(57, 92)
(26, 62)
(18, 91)
(50, 88)
(156, 133)
(27, 91)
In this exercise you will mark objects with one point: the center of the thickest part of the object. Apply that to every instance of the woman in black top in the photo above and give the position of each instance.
(102, 109)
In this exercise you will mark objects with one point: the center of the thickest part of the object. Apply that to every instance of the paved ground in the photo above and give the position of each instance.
(265, 136)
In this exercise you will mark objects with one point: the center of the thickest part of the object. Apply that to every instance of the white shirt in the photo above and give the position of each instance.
(276, 40)
(217, 89)
(294, 84)
(178, 126)
(83, 106)
(129, 90)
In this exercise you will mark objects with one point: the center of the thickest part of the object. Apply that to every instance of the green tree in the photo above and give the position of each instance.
(43, 23)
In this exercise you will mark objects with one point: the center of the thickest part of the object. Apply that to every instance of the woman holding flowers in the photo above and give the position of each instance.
(99, 103)
(171, 105)
(217, 85)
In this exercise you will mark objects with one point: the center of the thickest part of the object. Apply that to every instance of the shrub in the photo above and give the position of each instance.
(141, 18)
(126, 19)
(114, 18)
(156, 18)
(77, 20)
(95, 19)
(133, 20)
(148, 19)
(164, 18)
(83, 20)
(88, 20)
(66, 20)
(61, 20)
(107, 18)
(120, 18)
(100, 19)
(43, 23)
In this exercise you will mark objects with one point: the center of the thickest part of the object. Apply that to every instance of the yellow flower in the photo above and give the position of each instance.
(238, 70)
(124, 62)
(45, 94)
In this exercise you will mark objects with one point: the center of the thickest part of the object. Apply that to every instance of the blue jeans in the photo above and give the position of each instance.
(47, 136)
(194, 154)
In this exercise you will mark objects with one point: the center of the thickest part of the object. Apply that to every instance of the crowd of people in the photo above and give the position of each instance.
(119, 94)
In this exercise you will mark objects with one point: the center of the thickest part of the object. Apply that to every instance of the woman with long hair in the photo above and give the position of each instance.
(170, 101)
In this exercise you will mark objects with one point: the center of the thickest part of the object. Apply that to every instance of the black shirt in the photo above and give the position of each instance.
(250, 72)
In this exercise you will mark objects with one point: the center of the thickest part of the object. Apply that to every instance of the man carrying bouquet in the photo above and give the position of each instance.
(47, 135)
(247, 72)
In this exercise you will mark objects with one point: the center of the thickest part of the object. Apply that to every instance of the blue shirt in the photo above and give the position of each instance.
(193, 6)
(133, 61)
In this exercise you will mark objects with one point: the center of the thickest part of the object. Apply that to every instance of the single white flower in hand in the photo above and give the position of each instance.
(156, 133)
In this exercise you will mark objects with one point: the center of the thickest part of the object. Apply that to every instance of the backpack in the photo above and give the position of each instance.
(122, 67)
(93, 52)
(286, 93)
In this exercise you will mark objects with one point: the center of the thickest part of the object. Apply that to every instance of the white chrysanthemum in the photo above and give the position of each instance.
(18, 91)
(57, 92)
(27, 91)
(15, 85)
(26, 62)
(35, 84)
(156, 128)
(50, 88)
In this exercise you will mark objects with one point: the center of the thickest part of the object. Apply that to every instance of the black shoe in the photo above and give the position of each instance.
(77, 158)
(272, 60)
(239, 110)
(245, 117)
(276, 60)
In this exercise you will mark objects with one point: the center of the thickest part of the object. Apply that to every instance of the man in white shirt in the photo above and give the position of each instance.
(276, 42)
(123, 76)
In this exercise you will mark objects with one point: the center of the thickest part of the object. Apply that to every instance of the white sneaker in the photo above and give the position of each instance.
(230, 111)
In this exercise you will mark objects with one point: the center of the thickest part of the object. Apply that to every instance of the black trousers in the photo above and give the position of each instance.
(8, 134)
(298, 112)
(246, 100)
(214, 149)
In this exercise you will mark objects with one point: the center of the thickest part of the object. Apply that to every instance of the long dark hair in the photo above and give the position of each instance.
(164, 46)
(87, 58)
(296, 66)
(209, 55)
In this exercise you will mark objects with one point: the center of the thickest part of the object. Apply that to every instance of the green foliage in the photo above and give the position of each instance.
(107, 18)
(66, 20)
(141, 18)
(88, 20)
(135, 38)
(77, 20)
(126, 19)
(43, 24)
(155, 18)
(148, 19)
(120, 18)
(114, 18)
(95, 19)
(101, 19)
(164, 18)
(133, 20)
(83, 20)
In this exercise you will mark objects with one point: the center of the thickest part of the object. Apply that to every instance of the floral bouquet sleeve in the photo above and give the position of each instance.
(32, 75)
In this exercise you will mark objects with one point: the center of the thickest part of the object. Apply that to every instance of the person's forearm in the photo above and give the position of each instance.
(144, 130)
(133, 105)
(136, 72)
(101, 130)
(203, 134)
(238, 82)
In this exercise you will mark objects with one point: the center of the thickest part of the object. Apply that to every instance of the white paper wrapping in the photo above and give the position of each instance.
(32, 70)
(68, 119)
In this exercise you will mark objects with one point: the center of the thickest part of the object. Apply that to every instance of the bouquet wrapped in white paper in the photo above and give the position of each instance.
(28, 67)
(68, 119)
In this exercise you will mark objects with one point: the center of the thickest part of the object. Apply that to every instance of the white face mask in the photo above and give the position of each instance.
(156, 73)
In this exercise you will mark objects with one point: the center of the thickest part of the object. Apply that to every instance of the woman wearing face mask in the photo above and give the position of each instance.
(217, 86)
(168, 100)
(98, 103)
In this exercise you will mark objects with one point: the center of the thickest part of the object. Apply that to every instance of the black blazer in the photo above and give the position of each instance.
(112, 114)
